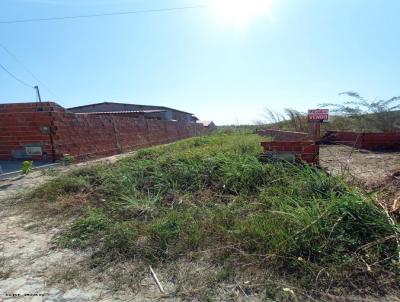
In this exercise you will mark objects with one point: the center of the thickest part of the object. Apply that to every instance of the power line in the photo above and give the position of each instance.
(13, 76)
(27, 69)
(104, 14)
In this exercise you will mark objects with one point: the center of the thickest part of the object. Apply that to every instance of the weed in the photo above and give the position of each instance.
(86, 229)
(212, 194)
(67, 159)
(5, 269)
(26, 166)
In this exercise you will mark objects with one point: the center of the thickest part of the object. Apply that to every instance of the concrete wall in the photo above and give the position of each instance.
(59, 132)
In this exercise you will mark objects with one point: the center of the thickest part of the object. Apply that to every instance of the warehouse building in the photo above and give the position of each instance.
(135, 110)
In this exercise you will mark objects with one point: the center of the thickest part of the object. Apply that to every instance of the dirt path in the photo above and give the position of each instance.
(28, 258)
(32, 268)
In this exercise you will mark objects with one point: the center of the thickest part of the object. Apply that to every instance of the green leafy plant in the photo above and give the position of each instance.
(26, 166)
(67, 159)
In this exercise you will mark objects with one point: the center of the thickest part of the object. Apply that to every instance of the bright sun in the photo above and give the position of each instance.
(239, 13)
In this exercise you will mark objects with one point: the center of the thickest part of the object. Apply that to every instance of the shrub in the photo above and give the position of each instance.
(26, 166)
(67, 159)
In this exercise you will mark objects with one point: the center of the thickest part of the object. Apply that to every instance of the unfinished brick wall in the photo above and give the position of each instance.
(368, 141)
(306, 151)
(280, 135)
(83, 136)
(88, 136)
(25, 125)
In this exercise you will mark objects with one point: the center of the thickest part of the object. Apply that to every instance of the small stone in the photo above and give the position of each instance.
(29, 225)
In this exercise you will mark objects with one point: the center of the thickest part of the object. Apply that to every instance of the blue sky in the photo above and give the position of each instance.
(222, 66)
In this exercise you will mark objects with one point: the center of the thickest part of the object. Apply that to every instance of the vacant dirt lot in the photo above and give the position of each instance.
(30, 263)
(372, 169)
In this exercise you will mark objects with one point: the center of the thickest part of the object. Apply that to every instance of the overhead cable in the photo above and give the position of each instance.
(143, 11)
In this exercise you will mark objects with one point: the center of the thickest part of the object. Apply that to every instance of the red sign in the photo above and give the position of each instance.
(318, 115)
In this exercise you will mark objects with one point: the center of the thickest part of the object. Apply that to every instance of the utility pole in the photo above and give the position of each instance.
(38, 93)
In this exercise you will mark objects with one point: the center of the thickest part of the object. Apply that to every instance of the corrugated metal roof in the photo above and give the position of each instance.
(125, 104)
(123, 112)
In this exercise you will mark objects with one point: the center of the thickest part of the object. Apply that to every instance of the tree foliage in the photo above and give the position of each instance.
(365, 115)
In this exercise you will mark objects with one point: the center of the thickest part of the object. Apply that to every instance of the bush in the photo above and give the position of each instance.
(67, 159)
(26, 166)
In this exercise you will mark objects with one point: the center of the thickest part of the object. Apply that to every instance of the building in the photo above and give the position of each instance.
(208, 125)
(135, 110)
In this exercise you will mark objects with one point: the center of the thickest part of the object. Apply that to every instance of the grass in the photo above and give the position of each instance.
(384, 121)
(210, 197)
(5, 269)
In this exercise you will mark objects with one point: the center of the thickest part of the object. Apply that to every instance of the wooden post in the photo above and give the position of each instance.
(316, 117)
(317, 131)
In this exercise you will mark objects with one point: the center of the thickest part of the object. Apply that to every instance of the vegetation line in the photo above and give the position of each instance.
(210, 201)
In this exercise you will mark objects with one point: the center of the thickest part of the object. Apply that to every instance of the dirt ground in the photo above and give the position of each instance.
(374, 171)
(370, 168)
(32, 269)
(30, 263)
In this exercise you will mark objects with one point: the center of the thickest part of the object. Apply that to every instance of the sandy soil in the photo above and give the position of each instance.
(371, 168)
(374, 171)
(32, 268)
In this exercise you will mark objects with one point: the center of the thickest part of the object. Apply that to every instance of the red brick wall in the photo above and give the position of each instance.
(89, 136)
(21, 125)
(280, 135)
(307, 151)
(381, 141)
(369, 141)
(83, 136)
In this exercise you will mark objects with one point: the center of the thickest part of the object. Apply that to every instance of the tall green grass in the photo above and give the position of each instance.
(212, 194)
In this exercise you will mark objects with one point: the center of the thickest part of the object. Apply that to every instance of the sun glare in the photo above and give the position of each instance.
(239, 13)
